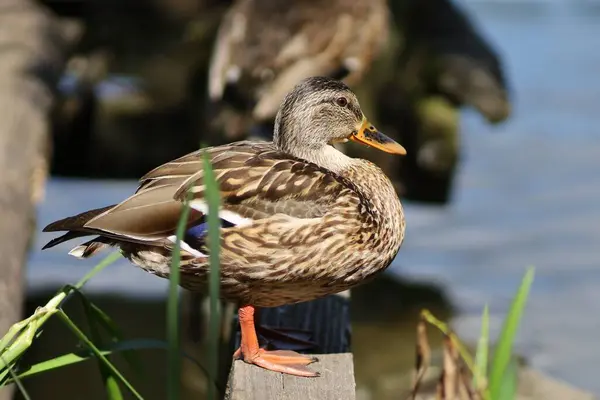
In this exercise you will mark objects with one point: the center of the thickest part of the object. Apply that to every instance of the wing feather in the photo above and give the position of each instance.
(256, 182)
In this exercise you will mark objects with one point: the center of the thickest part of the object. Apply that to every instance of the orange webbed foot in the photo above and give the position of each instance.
(284, 361)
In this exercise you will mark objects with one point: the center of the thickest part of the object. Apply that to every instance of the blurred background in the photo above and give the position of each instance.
(496, 102)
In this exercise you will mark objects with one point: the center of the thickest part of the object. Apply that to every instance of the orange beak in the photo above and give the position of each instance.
(368, 135)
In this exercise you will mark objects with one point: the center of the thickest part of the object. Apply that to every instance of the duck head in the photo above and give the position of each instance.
(320, 112)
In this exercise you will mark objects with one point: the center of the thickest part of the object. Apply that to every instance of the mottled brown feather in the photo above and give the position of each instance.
(76, 221)
(305, 230)
(314, 232)
(256, 181)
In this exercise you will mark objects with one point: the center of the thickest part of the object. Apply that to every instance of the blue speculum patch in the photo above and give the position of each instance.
(196, 234)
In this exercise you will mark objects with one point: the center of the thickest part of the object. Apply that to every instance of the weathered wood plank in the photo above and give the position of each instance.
(336, 382)
(326, 322)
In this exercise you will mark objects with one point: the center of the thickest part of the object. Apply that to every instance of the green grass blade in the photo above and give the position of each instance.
(18, 382)
(110, 383)
(111, 258)
(4, 374)
(173, 318)
(481, 358)
(110, 327)
(58, 362)
(100, 316)
(15, 342)
(27, 333)
(212, 198)
(81, 356)
(18, 338)
(508, 386)
(503, 352)
(81, 336)
(116, 336)
(14, 331)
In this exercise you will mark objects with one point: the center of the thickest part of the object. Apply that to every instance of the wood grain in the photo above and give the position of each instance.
(336, 382)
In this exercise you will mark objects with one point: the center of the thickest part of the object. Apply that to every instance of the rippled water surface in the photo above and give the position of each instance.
(528, 194)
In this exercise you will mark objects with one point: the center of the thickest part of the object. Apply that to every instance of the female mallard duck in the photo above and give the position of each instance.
(264, 47)
(300, 220)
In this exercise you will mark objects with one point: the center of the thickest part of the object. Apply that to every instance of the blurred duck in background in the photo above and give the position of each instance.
(416, 64)
(265, 47)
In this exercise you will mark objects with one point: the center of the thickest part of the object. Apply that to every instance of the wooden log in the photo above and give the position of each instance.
(32, 47)
(323, 323)
(326, 320)
(336, 381)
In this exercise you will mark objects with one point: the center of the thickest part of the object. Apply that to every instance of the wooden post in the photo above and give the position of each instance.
(326, 323)
(336, 382)
(32, 47)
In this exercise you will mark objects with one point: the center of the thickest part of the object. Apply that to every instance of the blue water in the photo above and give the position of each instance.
(528, 193)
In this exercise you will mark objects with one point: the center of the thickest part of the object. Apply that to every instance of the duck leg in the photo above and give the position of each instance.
(285, 361)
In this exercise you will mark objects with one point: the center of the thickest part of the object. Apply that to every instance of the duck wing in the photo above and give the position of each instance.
(256, 182)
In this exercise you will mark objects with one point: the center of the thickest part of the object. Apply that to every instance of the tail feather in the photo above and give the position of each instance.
(90, 248)
(64, 238)
(75, 222)
(75, 228)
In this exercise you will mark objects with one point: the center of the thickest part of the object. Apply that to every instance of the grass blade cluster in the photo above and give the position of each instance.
(21, 335)
(501, 383)
(109, 367)
(115, 348)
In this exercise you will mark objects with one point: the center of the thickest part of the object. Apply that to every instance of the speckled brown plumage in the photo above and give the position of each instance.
(303, 220)
(313, 230)
(307, 219)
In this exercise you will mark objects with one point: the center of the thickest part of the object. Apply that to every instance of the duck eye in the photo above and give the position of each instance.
(341, 101)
